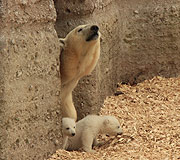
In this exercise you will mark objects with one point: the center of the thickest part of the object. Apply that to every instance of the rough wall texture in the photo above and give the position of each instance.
(140, 39)
(29, 80)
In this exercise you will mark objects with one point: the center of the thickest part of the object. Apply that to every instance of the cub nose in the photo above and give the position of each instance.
(120, 133)
(94, 28)
(73, 134)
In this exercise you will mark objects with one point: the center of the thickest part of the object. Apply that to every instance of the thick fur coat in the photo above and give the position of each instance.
(88, 129)
(79, 55)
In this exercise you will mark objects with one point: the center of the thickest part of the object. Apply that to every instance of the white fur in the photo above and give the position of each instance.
(88, 129)
(78, 58)
(68, 130)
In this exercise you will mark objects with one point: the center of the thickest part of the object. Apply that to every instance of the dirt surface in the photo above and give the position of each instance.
(149, 115)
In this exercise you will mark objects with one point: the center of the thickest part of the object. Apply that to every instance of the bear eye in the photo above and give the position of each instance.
(80, 30)
(118, 127)
(74, 127)
(67, 128)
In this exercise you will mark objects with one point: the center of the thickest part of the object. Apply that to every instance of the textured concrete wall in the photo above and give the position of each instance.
(140, 39)
(29, 80)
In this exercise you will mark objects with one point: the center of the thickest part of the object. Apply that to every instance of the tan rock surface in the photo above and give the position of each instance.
(29, 80)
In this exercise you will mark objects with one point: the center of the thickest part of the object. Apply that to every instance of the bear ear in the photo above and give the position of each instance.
(62, 42)
(106, 121)
(62, 121)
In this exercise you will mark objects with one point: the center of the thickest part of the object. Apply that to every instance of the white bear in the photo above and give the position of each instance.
(68, 130)
(87, 130)
(80, 51)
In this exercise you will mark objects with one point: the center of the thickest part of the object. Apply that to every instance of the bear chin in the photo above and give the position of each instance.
(93, 36)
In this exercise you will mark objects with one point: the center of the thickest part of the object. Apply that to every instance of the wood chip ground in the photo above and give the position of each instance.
(149, 114)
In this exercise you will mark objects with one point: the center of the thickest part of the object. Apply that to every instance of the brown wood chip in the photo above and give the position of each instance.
(150, 117)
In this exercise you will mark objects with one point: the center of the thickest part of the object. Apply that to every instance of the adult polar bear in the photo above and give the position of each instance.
(79, 55)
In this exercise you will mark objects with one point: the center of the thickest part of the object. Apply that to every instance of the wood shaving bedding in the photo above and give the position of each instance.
(149, 114)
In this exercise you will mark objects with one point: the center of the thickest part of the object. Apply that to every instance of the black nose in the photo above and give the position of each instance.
(120, 133)
(94, 28)
(73, 134)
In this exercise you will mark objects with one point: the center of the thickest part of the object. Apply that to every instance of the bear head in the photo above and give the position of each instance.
(68, 127)
(111, 126)
(83, 34)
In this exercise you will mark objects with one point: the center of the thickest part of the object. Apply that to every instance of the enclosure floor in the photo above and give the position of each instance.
(150, 117)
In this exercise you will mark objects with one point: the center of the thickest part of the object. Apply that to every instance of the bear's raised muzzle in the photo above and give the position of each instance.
(94, 28)
(93, 33)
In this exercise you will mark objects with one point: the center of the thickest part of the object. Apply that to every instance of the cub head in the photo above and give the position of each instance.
(112, 126)
(68, 127)
(83, 34)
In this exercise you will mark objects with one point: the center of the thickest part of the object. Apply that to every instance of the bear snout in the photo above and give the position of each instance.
(94, 28)
(120, 133)
(73, 134)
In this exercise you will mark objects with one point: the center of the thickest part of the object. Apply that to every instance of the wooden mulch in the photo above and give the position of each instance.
(149, 114)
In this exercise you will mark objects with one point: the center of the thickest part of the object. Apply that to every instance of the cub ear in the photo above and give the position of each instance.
(63, 120)
(106, 121)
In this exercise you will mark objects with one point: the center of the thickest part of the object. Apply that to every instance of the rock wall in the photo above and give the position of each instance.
(29, 80)
(140, 39)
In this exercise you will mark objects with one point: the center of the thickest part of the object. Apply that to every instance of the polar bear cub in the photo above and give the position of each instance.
(68, 130)
(87, 130)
